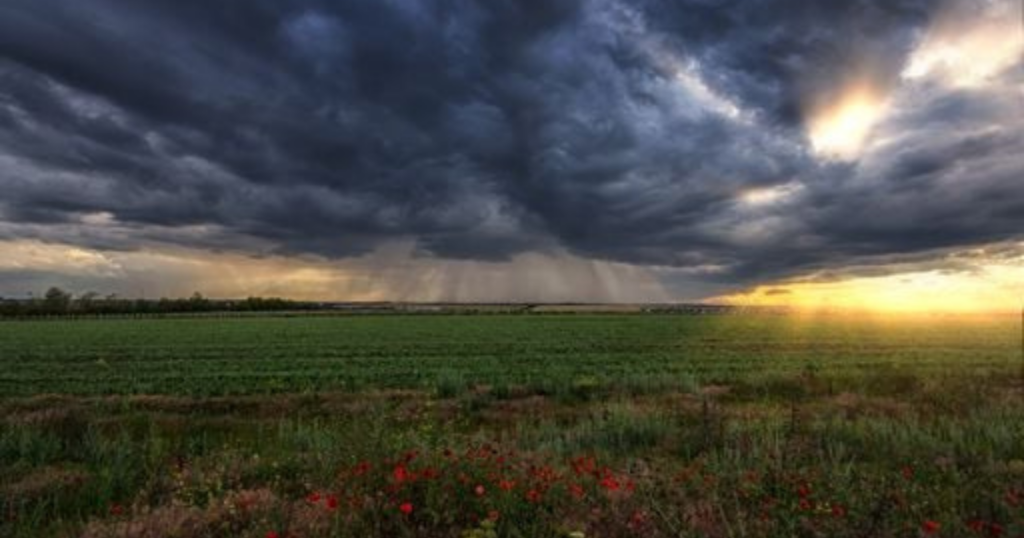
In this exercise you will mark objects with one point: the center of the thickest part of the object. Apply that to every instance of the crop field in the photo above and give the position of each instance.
(499, 425)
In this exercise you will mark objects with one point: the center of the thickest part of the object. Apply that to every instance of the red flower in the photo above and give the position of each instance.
(805, 504)
(533, 496)
(804, 491)
(576, 490)
(976, 525)
(930, 527)
(838, 510)
(479, 490)
(313, 498)
(506, 485)
(332, 502)
(493, 515)
(405, 508)
(361, 468)
(401, 474)
(610, 483)
(995, 530)
(273, 534)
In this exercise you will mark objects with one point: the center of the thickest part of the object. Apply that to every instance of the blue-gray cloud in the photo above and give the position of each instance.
(480, 130)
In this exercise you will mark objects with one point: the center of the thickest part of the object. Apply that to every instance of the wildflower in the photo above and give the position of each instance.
(930, 526)
(332, 502)
(995, 530)
(493, 515)
(405, 508)
(506, 485)
(976, 525)
(805, 504)
(638, 519)
(584, 465)
(838, 510)
(803, 491)
(576, 490)
(610, 483)
(273, 534)
(313, 498)
(479, 490)
(533, 496)
(401, 474)
(361, 468)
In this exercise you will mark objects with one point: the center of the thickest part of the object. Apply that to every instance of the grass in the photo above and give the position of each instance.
(511, 425)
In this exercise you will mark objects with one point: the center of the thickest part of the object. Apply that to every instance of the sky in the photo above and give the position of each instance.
(841, 154)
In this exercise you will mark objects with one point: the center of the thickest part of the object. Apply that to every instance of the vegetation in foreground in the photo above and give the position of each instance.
(511, 426)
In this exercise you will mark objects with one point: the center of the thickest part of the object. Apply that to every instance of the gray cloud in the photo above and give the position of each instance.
(480, 131)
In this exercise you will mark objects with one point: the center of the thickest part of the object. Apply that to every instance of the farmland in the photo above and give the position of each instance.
(512, 425)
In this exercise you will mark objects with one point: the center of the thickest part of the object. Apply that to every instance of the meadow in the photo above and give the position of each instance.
(531, 425)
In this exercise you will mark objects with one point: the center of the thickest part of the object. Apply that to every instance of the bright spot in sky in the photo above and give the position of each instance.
(841, 129)
(994, 288)
(765, 196)
(968, 48)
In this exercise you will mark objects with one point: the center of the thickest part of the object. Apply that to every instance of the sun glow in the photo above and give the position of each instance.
(840, 129)
(969, 46)
(995, 289)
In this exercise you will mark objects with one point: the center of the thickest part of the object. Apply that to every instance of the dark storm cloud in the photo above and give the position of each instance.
(480, 130)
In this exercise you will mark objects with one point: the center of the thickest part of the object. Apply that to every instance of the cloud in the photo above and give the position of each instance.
(674, 136)
(392, 274)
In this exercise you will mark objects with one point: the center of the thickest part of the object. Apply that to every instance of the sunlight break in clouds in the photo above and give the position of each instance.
(979, 286)
(969, 44)
(841, 128)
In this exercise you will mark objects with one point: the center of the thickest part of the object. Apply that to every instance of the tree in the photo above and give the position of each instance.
(56, 301)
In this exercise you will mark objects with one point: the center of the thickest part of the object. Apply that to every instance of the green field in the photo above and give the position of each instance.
(543, 353)
(512, 425)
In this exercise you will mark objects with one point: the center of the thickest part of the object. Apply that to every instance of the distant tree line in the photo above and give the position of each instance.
(57, 302)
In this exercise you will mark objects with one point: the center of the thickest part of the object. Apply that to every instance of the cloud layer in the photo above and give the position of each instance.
(674, 135)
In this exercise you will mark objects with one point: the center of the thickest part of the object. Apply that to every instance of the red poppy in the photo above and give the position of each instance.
(479, 490)
(930, 527)
(401, 474)
(976, 525)
(506, 485)
(576, 490)
(332, 502)
(804, 491)
(533, 496)
(805, 504)
(995, 530)
(405, 508)
(610, 483)
(313, 498)
(273, 534)
(493, 515)
(838, 510)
